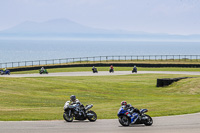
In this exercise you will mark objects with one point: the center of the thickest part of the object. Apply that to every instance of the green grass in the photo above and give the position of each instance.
(42, 98)
(78, 69)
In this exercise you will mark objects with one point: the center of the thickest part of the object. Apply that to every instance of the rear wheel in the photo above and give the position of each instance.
(93, 116)
(149, 121)
(67, 117)
(124, 120)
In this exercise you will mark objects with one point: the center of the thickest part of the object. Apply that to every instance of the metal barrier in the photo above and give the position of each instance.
(116, 58)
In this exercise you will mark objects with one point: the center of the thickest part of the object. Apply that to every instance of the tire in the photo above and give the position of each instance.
(149, 121)
(67, 118)
(124, 120)
(94, 118)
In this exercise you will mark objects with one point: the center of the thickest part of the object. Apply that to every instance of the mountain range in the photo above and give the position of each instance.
(64, 28)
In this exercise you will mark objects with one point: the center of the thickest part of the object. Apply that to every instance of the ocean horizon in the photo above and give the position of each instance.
(28, 50)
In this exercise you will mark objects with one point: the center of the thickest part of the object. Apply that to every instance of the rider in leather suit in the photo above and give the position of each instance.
(73, 100)
(133, 111)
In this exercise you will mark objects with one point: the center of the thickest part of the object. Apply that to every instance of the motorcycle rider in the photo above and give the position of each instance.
(42, 69)
(135, 68)
(133, 111)
(73, 100)
(111, 68)
(93, 68)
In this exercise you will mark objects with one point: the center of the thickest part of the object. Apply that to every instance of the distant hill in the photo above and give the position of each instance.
(64, 28)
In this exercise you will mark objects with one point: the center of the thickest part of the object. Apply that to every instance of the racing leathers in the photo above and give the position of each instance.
(134, 112)
(81, 109)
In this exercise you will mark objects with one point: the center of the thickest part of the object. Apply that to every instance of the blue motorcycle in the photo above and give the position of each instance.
(126, 118)
(5, 72)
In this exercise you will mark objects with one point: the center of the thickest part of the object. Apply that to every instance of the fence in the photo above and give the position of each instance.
(95, 59)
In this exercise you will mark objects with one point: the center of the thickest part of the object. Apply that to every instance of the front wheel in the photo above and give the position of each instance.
(149, 121)
(92, 116)
(67, 117)
(124, 120)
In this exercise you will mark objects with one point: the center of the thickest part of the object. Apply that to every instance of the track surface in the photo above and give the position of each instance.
(100, 73)
(168, 124)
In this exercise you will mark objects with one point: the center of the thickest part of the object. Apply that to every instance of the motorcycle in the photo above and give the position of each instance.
(94, 70)
(5, 72)
(126, 118)
(111, 70)
(79, 112)
(134, 70)
(43, 71)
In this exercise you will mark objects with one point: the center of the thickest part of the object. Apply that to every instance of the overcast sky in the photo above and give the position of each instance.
(155, 16)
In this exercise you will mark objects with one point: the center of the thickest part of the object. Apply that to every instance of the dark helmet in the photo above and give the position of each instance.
(123, 103)
(72, 97)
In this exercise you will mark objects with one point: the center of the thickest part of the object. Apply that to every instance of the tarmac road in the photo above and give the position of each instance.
(100, 73)
(189, 123)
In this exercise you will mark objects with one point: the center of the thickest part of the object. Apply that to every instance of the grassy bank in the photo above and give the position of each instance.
(42, 98)
(78, 69)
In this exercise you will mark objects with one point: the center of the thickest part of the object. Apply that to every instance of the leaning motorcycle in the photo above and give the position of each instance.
(134, 70)
(111, 70)
(125, 118)
(43, 71)
(78, 112)
(6, 72)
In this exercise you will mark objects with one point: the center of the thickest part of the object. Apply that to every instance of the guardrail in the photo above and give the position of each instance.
(95, 59)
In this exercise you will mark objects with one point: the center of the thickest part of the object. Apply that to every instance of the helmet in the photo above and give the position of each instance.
(123, 103)
(72, 97)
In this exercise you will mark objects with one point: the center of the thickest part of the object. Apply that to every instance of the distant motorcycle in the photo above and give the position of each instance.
(111, 70)
(134, 70)
(125, 118)
(43, 71)
(6, 72)
(94, 70)
(78, 112)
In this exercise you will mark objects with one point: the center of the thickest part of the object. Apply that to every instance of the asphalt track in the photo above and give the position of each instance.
(100, 73)
(168, 124)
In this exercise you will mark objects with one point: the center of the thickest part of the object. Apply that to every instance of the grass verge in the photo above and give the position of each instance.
(42, 98)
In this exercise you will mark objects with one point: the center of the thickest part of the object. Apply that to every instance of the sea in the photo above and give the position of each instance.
(30, 50)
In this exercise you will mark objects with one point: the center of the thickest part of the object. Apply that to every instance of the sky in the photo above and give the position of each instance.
(153, 16)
